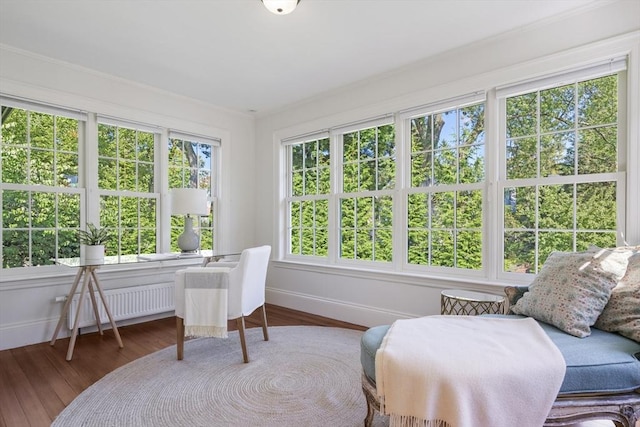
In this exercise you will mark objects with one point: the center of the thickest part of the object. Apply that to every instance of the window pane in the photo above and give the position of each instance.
(520, 207)
(421, 134)
(43, 247)
(557, 109)
(553, 241)
(446, 130)
(598, 150)
(421, 169)
(444, 167)
(522, 113)
(469, 250)
(522, 155)
(41, 130)
(469, 209)
(442, 210)
(41, 167)
(43, 211)
(557, 154)
(418, 210)
(596, 206)
(418, 247)
(556, 207)
(598, 101)
(520, 251)
(442, 248)
(14, 164)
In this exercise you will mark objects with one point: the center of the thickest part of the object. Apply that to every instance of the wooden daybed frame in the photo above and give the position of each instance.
(623, 409)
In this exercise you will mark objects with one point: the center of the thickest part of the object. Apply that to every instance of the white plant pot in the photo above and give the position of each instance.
(94, 254)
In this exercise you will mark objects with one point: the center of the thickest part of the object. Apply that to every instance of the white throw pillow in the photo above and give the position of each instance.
(569, 292)
(622, 312)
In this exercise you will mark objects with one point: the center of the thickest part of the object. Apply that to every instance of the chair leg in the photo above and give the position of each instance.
(180, 337)
(265, 332)
(243, 343)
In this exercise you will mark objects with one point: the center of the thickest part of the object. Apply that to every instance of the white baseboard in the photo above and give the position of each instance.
(22, 334)
(334, 309)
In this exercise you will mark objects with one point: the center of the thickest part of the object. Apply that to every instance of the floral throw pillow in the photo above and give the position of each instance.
(569, 292)
(622, 312)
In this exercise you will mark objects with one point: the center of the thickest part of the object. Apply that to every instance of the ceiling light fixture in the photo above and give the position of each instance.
(280, 7)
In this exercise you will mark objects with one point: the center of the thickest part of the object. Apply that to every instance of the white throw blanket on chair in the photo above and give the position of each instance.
(466, 371)
(205, 303)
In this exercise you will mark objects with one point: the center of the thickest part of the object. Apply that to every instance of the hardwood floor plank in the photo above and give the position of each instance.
(11, 413)
(36, 382)
(29, 403)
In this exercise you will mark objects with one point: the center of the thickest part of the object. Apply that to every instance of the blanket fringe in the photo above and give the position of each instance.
(205, 331)
(409, 421)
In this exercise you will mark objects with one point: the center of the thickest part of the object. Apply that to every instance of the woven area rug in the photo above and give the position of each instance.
(303, 376)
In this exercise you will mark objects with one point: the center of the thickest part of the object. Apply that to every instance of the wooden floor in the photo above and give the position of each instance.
(37, 383)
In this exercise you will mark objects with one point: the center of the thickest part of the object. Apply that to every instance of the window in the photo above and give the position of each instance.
(366, 202)
(309, 179)
(126, 183)
(551, 178)
(41, 198)
(56, 178)
(192, 164)
(561, 171)
(444, 203)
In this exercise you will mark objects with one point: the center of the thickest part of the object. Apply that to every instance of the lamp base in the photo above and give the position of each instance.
(189, 241)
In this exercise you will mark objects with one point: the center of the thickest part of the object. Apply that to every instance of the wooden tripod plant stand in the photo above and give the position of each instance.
(90, 279)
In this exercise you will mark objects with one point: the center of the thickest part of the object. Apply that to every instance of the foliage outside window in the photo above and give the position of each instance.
(561, 164)
(191, 165)
(41, 201)
(444, 214)
(308, 202)
(126, 182)
(366, 202)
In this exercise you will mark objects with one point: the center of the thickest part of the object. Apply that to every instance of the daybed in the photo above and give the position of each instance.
(602, 377)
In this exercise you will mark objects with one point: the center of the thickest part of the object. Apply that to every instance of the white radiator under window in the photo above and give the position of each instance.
(124, 303)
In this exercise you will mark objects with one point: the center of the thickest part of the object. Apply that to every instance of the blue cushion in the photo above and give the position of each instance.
(603, 362)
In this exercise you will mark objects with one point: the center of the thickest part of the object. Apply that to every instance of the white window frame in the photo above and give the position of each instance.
(79, 189)
(213, 197)
(607, 67)
(458, 102)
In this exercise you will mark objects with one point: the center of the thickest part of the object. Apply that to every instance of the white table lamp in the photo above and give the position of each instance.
(189, 201)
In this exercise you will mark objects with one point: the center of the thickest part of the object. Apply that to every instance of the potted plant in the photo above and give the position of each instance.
(93, 240)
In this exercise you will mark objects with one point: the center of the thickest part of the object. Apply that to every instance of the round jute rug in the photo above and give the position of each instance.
(304, 376)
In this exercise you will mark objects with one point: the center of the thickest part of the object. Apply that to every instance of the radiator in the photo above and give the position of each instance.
(124, 303)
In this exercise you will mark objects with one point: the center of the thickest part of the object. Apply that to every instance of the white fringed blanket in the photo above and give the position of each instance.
(205, 303)
(466, 371)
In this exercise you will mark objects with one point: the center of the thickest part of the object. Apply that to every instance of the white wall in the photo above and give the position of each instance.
(28, 313)
(366, 298)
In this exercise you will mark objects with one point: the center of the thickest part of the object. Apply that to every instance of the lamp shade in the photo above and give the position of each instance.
(280, 7)
(189, 201)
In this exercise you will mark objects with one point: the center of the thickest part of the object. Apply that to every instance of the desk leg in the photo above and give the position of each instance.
(67, 304)
(95, 307)
(106, 308)
(74, 334)
(180, 337)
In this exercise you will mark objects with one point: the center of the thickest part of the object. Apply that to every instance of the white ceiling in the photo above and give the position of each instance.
(237, 55)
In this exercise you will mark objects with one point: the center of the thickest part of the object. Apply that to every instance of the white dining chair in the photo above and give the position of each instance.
(246, 292)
